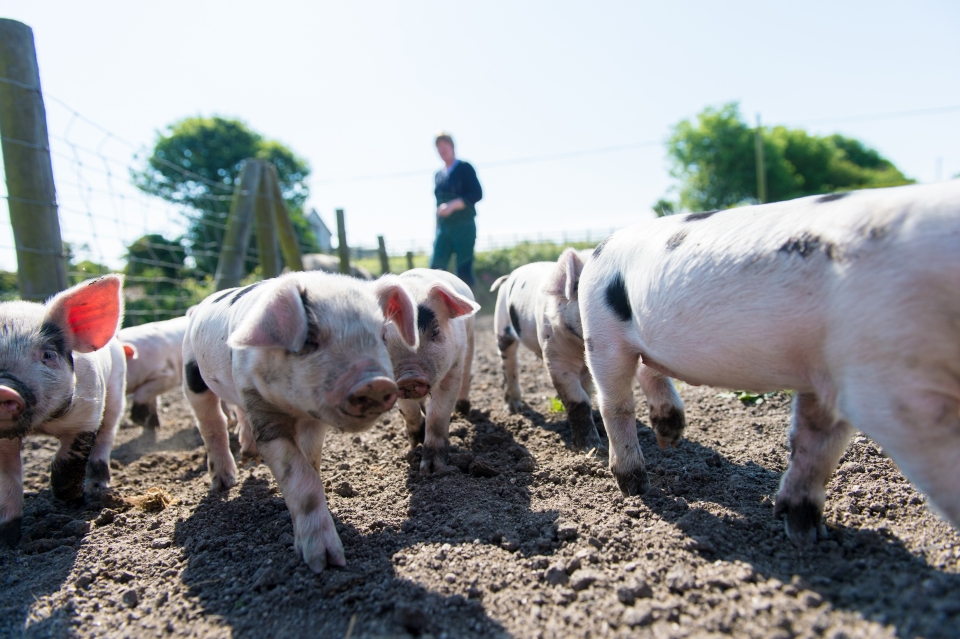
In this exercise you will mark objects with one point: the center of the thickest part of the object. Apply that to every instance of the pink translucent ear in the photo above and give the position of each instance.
(129, 351)
(457, 305)
(398, 307)
(565, 277)
(278, 320)
(90, 312)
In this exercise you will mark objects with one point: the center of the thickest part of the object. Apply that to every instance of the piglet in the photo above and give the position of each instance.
(538, 305)
(440, 367)
(850, 299)
(62, 373)
(295, 355)
(154, 365)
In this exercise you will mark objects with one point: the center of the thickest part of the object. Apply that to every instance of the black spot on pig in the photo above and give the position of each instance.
(693, 217)
(506, 340)
(806, 244)
(601, 246)
(191, 372)
(668, 423)
(676, 240)
(54, 337)
(515, 319)
(243, 291)
(140, 414)
(425, 318)
(227, 293)
(832, 197)
(616, 298)
(70, 468)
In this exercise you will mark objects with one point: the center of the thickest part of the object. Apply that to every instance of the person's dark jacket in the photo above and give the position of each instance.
(462, 183)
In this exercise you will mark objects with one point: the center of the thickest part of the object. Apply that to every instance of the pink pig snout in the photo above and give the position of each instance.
(371, 397)
(11, 404)
(413, 387)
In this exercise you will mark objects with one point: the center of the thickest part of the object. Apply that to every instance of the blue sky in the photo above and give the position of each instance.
(360, 88)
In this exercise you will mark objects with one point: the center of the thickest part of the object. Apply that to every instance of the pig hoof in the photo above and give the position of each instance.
(248, 458)
(633, 482)
(803, 521)
(463, 406)
(139, 414)
(586, 439)
(514, 406)
(10, 532)
(222, 483)
(318, 541)
(434, 459)
(98, 479)
(668, 424)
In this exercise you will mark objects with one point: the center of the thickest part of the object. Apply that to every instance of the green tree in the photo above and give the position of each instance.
(196, 162)
(714, 158)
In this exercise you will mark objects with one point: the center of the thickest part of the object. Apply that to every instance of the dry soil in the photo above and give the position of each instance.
(522, 537)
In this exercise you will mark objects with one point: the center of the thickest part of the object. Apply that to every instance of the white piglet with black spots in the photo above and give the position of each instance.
(295, 355)
(154, 365)
(852, 300)
(440, 367)
(62, 373)
(538, 305)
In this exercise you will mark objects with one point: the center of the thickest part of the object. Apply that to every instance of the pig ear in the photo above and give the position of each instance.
(456, 304)
(130, 351)
(90, 312)
(278, 320)
(565, 277)
(398, 307)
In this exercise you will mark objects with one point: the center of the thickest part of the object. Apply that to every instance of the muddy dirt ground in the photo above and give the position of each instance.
(521, 538)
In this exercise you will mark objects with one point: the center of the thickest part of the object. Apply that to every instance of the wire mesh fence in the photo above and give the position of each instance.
(108, 224)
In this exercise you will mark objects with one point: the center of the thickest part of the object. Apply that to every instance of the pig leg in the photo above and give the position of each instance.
(248, 445)
(412, 411)
(11, 491)
(212, 424)
(918, 424)
(436, 442)
(315, 535)
(614, 363)
(565, 373)
(98, 468)
(70, 465)
(463, 399)
(509, 345)
(666, 408)
(817, 441)
(143, 411)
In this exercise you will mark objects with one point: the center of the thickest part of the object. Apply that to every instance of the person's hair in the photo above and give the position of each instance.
(443, 136)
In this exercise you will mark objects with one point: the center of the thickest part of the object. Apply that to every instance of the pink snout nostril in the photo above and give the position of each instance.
(372, 397)
(11, 404)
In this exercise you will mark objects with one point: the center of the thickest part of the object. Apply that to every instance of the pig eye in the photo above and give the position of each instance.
(49, 356)
(436, 332)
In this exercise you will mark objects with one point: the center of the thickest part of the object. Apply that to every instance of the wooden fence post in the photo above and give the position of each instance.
(409, 260)
(343, 249)
(237, 237)
(384, 258)
(266, 224)
(289, 246)
(32, 198)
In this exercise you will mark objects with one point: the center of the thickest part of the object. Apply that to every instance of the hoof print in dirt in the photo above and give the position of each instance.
(633, 482)
(803, 522)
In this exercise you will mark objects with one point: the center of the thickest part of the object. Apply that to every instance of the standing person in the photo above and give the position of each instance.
(458, 191)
